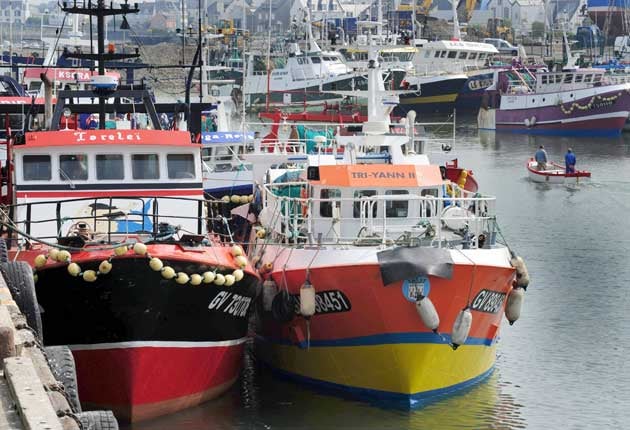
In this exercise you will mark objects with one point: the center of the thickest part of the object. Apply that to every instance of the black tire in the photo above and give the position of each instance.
(63, 369)
(97, 420)
(4, 253)
(19, 278)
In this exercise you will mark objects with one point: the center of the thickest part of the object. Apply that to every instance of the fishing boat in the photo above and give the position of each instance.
(131, 269)
(377, 268)
(568, 103)
(554, 173)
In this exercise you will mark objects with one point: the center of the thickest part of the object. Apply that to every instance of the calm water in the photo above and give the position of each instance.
(562, 366)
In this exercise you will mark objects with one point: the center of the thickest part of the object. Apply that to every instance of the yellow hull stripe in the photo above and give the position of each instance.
(398, 368)
(445, 98)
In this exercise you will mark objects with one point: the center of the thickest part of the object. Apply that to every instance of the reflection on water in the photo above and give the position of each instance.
(562, 365)
(260, 401)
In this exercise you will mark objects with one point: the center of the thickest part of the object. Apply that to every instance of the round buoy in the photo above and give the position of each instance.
(40, 261)
(235, 199)
(121, 250)
(514, 304)
(237, 251)
(89, 276)
(195, 279)
(156, 264)
(238, 274)
(241, 261)
(168, 272)
(53, 253)
(461, 328)
(208, 277)
(182, 278)
(229, 280)
(63, 256)
(225, 199)
(428, 313)
(219, 279)
(74, 269)
(140, 248)
(105, 267)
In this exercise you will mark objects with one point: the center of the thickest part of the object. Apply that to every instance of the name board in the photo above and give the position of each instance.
(226, 137)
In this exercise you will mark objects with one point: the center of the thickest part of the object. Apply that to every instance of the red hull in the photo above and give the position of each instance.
(143, 382)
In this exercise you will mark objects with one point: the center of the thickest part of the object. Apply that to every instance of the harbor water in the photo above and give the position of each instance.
(562, 365)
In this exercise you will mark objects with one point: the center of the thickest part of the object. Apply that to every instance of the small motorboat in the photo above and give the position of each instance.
(554, 173)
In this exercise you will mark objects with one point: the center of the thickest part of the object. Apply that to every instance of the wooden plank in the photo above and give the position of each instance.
(32, 402)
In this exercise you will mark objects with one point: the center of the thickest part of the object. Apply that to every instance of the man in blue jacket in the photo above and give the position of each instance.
(541, 158)
(569, 161)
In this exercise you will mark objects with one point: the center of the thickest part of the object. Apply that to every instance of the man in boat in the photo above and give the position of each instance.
(541, 158)
(569, 161)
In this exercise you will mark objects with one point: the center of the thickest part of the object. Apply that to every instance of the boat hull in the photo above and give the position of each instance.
(437, 95)
(471, 93)
(556, 175)
(367, 340)
(603, 114)
(146, 346)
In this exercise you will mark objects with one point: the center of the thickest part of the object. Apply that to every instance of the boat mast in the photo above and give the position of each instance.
(100, 11)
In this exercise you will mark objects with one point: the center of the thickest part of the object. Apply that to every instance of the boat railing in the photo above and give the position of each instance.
(382, 219)
(109, 220)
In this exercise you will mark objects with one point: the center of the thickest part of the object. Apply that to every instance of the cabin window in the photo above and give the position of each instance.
(73, 167)
(316, 60)
(110, 166)
(462, 55)
(568, 78)
(452, 54)
(180, 166)
(578, 78)
(544, 79)
(443, 54)
(597, 78)
(36, 167)
(437, 54)
(427, 54)
(472, 56)
(145, 166)
(482, 56)
(558, 78)
(356, 209)
(587, 78)
(326, 208)
(396, 208)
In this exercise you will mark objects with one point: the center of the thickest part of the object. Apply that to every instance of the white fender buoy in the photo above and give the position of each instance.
(514, 304)
(307, 298)
(427, 312)
(526, 121)
(533, 121)
(522, 275)
(461, 328)
(270, 289)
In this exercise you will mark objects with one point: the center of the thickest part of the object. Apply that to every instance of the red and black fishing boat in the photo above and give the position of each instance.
(130, 267)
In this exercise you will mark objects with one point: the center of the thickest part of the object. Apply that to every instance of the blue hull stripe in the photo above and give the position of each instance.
(384, 339)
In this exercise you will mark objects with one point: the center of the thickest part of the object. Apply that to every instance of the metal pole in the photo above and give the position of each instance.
(100, 25)
(183, 32)
(200, 59)
(10, 37)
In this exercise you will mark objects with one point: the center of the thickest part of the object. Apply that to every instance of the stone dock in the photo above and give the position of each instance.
(30, 396)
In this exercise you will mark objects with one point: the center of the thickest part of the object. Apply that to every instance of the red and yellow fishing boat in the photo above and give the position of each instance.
(383, 279)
